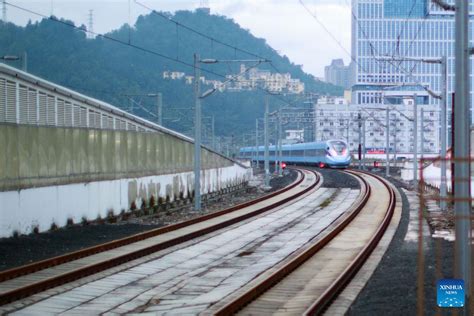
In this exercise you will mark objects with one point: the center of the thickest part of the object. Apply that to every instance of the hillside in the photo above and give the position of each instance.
(107, 70)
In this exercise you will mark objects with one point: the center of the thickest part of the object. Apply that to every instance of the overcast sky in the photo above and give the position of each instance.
(285, 24)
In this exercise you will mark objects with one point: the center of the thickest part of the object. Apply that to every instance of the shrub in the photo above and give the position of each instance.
(69, 222)
(84, 221)
(53, 227)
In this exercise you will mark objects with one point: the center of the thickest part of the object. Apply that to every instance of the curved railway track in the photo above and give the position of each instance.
(27, 280)
(308, 282)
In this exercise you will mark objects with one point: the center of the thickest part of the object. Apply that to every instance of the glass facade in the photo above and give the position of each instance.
(404, 8)
(398, 29)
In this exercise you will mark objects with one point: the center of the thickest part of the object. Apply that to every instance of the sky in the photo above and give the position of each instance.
(285, 24)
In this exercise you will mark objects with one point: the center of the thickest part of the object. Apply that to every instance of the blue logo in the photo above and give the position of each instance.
(450, 293)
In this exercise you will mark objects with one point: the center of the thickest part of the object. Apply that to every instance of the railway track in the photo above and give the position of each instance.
(310, 280)
(27, 280)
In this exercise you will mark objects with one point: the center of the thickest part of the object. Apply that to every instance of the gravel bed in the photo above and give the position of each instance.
(17, 251)
(24, 249)
(337, 179)
(392, 289)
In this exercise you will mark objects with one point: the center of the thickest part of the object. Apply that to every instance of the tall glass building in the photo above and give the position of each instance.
(401, 28)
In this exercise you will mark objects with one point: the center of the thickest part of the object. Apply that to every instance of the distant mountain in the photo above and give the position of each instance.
(107, 70)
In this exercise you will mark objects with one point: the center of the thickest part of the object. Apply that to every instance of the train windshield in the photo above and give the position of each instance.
(338, 146)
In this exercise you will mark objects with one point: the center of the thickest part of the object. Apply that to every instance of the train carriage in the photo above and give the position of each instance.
(330, 153)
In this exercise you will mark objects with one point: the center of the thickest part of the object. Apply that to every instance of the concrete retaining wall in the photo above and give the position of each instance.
(21, 211)
(64, 155)
(34, 156)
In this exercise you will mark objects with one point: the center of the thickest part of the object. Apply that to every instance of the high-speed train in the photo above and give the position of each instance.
(330, 153)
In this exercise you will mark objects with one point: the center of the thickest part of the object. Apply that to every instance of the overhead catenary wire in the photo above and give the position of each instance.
(137, 47)
(330, 34)
(374, 51)
(193, 30)
(420, 27)
(143, 49)
(207, 36)
(377, 56)
(402, 29)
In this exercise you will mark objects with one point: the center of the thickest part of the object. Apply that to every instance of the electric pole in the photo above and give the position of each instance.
(422, 134)
(280, 171)
(159, 108)
(443, 188)
(387, 139)
(462, 167)
(90, 25)
(359, 119)
(415, 141)
(363, 143)
(213, 134)
(256, 143)
(4, 11)
(316, 121)
(275, 146)
(266, 164)
(197, 134)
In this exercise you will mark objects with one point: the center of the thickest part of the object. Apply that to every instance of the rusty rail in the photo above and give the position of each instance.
(257, 290)
(42, 285)
(338, 285)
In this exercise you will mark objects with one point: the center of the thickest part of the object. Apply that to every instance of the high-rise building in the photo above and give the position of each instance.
(338, 74)
(398, 29)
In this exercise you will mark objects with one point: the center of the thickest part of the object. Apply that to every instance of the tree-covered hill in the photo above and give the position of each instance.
(107, 70)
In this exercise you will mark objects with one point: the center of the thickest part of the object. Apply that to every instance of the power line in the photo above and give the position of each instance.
(4, 11)
(402, 29)
(374, 50)
(146, 50)
(328, 32)
(90, 24)
(398, 67)
(200, 33)
(212, 39)
(422, 26)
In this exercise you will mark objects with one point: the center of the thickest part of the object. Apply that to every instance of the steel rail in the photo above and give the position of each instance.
(84, 271)
(51, 262)
(251, 294)
(320, 305)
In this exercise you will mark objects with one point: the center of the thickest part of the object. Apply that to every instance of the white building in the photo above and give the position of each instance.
(332, 100)
(294, 136)
(247, 80)
(173, 75)
(340, 121)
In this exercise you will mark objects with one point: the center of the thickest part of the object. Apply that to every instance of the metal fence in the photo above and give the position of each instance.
(21, 103)
(27, 99)
(437, 257)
